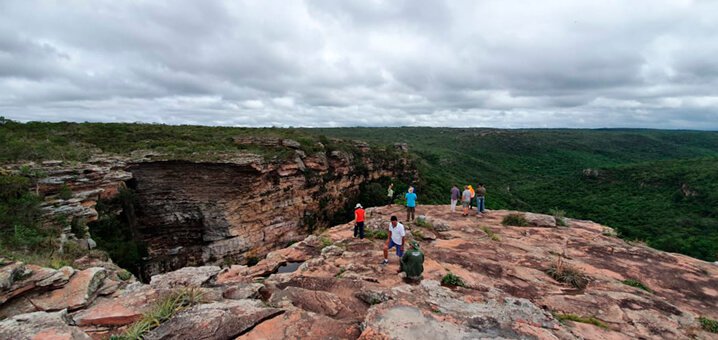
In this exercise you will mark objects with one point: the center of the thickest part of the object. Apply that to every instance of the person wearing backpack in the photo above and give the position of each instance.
(480, 199)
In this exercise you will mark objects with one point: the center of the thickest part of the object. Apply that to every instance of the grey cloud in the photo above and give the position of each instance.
(370, 63)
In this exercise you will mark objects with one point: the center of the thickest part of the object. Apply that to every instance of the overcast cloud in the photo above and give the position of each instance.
(504, 63)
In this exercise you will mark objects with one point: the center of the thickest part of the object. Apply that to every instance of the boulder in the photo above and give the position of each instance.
(219, 320)
(9, 274)
(540, 220)
(372, 297)
(332, 251)
(320, 302)
(243, 291)
(185, 277)
(32, 278)
(408, 322)
(77, 293)
(41, 325)
(299, 324)
(124, 309)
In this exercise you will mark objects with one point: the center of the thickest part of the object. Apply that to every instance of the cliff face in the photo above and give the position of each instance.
(216, 213)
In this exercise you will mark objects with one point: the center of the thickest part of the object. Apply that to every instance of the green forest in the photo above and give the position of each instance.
(655, 186)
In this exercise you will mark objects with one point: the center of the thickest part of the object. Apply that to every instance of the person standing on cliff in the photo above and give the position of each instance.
(359, 221)
(390, 193)
(410, 204)
(473, 193)
(466, 200)
(480, 199)
(396, 238)
(455, 193)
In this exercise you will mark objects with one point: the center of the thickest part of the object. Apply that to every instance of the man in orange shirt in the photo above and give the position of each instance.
(359, 219)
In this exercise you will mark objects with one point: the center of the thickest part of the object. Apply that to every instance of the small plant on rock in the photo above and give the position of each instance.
(583, 319)
(423, 223)
(559, 215)
(65, 193)
(636, 283)
(452, 280)
(562, 272)
(708, 325)
(377, 234)
(163, 310)
(124, 275)
(491, 234)
(516, 220)
(326, 241)
(417, 234)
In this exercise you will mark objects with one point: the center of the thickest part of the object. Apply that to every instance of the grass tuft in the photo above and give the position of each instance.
(491, 234)
(326, 241)
(162, 311)
(583, 319)
(567, 274)
(637, 284)
(377, 234)
(516, 220)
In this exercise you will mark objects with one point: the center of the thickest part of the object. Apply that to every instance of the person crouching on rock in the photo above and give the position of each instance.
(395, 239)
(359, 219)
(412, 263)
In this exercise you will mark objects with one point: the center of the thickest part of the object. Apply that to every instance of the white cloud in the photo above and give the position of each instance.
(578, 63)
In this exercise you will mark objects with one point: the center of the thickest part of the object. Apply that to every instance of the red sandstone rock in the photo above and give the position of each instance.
(77, 293)
(219, 320)
(123, 309)
(40, 326)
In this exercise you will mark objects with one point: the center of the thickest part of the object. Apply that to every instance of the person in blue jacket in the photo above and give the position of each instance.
(410, 204)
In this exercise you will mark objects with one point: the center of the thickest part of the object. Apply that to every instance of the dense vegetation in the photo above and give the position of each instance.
(660, 187)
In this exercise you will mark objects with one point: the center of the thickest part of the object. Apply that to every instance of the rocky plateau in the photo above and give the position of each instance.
(331, 286)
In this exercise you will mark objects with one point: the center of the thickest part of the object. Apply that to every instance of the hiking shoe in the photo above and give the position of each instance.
(385, 262)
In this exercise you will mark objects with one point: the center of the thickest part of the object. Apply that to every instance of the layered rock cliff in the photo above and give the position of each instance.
(193, 213)
(217, 209)
(340, 291)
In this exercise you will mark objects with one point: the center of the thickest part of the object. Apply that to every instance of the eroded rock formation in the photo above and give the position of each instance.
(233, 209)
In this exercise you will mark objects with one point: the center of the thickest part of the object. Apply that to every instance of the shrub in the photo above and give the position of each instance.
(491, 234)
(26, 237)
(124, 275)
(567, 274)
(423, 223)
(517, 220)
(636, 283)
(577, 318)
(377, 234)
(708, 325)
(559, 215)
(452, 280)
(417, 234)
(65, 193)
(326, 241)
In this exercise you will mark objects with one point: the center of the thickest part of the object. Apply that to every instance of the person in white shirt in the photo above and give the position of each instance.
(396, 238)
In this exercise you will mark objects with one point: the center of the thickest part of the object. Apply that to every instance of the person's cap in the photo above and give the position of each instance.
(415, 244)
(358, 206)
(393, 218)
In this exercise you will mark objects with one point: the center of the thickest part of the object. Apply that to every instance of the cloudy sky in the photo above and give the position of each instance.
(503, 63)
